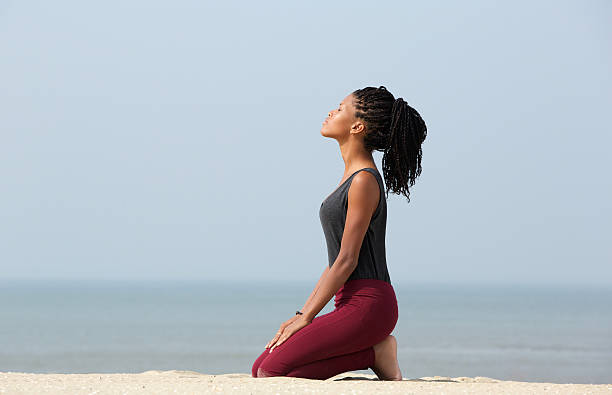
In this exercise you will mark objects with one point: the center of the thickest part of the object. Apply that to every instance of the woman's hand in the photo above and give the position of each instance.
(282, 328)
(297, 324)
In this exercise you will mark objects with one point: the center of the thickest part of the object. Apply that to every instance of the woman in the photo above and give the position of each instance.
(356, 334)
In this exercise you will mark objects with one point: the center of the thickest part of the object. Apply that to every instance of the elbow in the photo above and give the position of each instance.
(346, 264)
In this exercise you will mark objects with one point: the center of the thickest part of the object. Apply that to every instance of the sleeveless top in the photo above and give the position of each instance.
(372, 261)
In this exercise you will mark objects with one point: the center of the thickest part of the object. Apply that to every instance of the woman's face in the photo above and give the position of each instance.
(340, 120)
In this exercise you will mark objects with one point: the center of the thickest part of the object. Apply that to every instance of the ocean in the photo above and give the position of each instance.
(543, 333)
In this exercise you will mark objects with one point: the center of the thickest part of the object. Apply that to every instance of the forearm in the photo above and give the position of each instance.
(316, 288)
(337, 276)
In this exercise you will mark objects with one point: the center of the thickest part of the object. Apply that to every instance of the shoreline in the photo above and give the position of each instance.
(184, 381)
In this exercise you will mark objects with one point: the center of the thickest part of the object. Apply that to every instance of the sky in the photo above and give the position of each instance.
(149, 140)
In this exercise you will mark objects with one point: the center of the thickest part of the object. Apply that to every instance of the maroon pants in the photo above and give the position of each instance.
(340, 341)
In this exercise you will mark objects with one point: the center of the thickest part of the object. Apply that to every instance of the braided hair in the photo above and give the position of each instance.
(395, 128)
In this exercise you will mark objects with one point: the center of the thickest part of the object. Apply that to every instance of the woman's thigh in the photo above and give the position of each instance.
(349, 328)
(334, 315)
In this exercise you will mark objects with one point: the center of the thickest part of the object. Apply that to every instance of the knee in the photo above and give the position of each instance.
(264, 373)
(257, 371)
(258, 363)
(255, 368)
(267, 369)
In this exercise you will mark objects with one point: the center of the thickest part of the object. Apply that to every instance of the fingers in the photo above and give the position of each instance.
(271, 342)
(280, 341)
(291, 329)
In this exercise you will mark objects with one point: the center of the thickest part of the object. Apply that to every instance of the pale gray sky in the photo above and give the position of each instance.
(180, 140)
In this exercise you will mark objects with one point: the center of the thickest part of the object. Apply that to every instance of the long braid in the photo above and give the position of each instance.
(395, 128)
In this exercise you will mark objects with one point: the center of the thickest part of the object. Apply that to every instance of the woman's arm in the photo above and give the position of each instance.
(316, 288)
(363, 196)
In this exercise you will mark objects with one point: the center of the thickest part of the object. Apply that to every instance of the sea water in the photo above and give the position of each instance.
(544, 333)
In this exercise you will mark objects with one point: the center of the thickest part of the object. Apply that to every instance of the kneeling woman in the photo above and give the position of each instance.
(356, 334)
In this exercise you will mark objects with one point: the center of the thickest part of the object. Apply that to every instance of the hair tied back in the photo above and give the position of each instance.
(397, 106)
(394, 127)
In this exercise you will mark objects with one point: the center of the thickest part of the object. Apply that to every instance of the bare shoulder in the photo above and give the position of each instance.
(364, 190)
(365, 181)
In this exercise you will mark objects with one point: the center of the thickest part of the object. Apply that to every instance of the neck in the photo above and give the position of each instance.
(354, 155)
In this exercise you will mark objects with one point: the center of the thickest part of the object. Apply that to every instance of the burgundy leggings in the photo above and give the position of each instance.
(340, 341)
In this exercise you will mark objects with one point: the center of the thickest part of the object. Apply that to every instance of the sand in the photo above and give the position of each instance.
(188, 382)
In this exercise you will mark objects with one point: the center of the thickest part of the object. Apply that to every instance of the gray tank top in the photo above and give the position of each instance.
(372, 259)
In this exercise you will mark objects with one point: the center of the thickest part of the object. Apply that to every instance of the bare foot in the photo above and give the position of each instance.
(386, 366)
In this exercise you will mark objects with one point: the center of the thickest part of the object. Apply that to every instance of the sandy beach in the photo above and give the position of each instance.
(189, 382)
